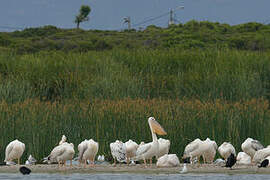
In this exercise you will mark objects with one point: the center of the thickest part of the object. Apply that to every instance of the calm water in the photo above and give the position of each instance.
(135, 177)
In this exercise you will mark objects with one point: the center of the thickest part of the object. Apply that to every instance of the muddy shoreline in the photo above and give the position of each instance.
(139, 169)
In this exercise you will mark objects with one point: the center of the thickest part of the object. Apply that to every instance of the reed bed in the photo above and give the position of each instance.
(40, 124)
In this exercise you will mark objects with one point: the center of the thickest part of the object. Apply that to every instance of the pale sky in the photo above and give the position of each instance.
(108, 14)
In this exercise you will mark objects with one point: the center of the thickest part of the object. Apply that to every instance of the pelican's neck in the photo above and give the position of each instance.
(154, 136)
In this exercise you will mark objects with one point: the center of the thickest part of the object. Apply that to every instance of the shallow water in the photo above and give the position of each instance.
(135, 177)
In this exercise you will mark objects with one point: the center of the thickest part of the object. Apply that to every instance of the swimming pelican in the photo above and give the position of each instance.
(250, 146)
(243, 158)
(64, 139)
(118, 150)
(149, 150)
(131, 148)
(14, 150)
(193, 151)
(164, 146)
(209, 149)
(168, 160)
(226, 149)
(62, 153)
(261, 155)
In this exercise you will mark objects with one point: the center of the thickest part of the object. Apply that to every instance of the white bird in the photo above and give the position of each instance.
(14, 150)
(209, 149)
(250, 146)
(219, 162)
(31, 160)
(243, 158)
(193, 151)
(164, 146)
(118, 151)
(226, 149)
(131, 148)
(81, 148)
(168, 160)
(64, 139)
(261, 154)
(184, 169)
(101, 158)
(87, 151)
(149, 150)
(62, 153)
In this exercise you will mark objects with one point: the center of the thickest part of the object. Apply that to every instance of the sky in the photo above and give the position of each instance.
(109, 14)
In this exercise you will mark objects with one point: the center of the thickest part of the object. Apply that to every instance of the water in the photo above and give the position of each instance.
(135, 177)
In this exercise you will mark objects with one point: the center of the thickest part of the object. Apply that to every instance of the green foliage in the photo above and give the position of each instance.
(83, 15)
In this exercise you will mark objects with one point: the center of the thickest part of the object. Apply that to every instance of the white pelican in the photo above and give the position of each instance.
(209, 149)
(168, 160)
(101, 158)
(64, 139)
(91, 151)
(81, 148)
(260, 155)
(250, 146)
(226, 149)
(14, 150)
(31, 160)
(62, 153)
(164, 146)
(149, 150)
(131, 148)
(243, 158)
(118, 150)
(193, 151)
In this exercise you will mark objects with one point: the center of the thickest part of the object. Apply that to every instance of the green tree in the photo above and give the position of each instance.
(83, 16)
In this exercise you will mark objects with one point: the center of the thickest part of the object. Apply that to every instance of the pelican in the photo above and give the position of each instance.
(149, 150)
(250, 146)
(31, 160)
(62, 153)
(243, 158)
(164, 146)
(131, 148)
(14, 150)
(193, 150)
(209, 149)
(91, 152)
(168, 160)
(261, 155)
(118, 150)
(64, 139)
(226, 149)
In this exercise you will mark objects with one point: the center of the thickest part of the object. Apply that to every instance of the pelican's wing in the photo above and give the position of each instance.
(143, 149)
(118, 151)
(57, 151)
(256, 145)
(8, 150)
(191, 147)
(82, 149)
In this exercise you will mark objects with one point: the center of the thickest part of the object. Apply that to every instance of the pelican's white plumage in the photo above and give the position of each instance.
(149, 150)
(243, 158)
(164, 146)
(82, 148)
(261, 154)
(250, 146)
(209, 149)
(14, 150)
(31, 160)
(118, 150)
(91, 151)
(192, 150)
(62, 153)
(64, 139)
(131, 148)
(226, 149)
(168, 160)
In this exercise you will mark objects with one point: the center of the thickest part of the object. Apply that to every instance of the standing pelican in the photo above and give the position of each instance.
(164, 146)
(149, 150)
(14, 150)
(118, 150)
(250, 146)
(131, 148)
(81, 148)
(226, 149)
(91, 151)
(193, 151)
(209, 149)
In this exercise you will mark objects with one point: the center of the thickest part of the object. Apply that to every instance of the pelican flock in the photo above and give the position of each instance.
(253, 152)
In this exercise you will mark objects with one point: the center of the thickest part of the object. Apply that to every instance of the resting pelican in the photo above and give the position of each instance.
(226, 149)
(62, 153)
(118, 150)
(192, 150)
(209, 149)
(164, 146)
(131, 148)
(31, 160)
(64, 139)
(14, 150)
(243, 158)
(168, 160)
(261, 155)
(149, 150)
(250, 146)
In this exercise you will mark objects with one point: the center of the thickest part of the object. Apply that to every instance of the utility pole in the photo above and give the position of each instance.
(171, 20)
(128, 21)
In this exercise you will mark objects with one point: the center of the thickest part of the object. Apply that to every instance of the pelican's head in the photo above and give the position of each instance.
(156, 127)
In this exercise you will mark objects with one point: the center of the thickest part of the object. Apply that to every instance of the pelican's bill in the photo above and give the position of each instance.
(157, 128)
